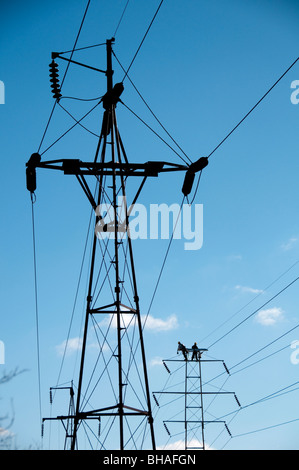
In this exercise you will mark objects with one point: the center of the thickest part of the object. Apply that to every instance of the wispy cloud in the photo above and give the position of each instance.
(151, 323)
(234, 257)
(251, 290)
(270, 316)
(156, 361)
(290, 243)
(73, 345)
(158, 324)
(5, 434)
(180, 445)
(69, 346)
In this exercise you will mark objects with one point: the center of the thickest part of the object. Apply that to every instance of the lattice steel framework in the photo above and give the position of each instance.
(117, 381)
(192, 414)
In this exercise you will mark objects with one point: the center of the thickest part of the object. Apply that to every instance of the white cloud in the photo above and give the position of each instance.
(180, 445)
(249, 289)
(234, 257)
(5, 434)
(126, 320)
(269, 316)
(75, 344)
(156, 361)
(99, 347)
(290, 243)
(158, 324)
(151, 323)
(69, 346)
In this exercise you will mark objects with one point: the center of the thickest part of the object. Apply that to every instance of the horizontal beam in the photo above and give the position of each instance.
(57, 55)
(77, 167)
(190, 360)
(97, 416)
(190, 421)
(123, 312)
(197, 393)
(194, 448)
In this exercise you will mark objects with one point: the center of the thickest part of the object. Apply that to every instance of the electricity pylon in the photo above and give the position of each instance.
(117, 383)
(192, 414)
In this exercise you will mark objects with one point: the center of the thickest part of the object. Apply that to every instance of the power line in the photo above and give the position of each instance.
(152, 130)
(252, 109)
(78, 122)
(151, 111)
(271, 396)
(256, 352)
(196, 189)
(161, 269)
(143, 39)
(267, 345)
(75, 300)
(82, 48)
(121, 17)
(252, 300)
(163, 263)
(260, 360)
(276, 394)
(266, 428)
(253, 313)
(65, 74)
(72, 127)
(36, 305)
(80, 99)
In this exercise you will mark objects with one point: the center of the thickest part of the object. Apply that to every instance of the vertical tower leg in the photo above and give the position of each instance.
(201, 403)
(120, 264)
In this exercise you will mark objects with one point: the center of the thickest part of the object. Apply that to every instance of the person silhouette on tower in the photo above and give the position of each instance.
(195, 352)
(182, 348)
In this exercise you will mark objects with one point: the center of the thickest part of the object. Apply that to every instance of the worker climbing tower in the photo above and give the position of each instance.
(112, 392)
(190, 415)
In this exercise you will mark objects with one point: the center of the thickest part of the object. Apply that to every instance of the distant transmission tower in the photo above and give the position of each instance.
(191, 416)
(113, 388)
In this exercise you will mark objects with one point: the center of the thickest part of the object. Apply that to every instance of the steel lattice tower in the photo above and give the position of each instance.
(117, 382)
(192, 416)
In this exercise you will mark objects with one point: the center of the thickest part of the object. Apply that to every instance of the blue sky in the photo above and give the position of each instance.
(201, 68)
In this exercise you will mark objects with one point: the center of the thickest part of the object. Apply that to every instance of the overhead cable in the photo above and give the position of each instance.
(75, 299)
(249, 112)
(255, 353)
(264, 347)
(36, 306)
(278, 393)
(82, 48)
(152, 130)
(72, 127)
(81, 125)
(163, 263)
(266, 428)
(121, 18)
(253, 313)
(252, 300)
(65, 73)
(151, 111)
(143, 39)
